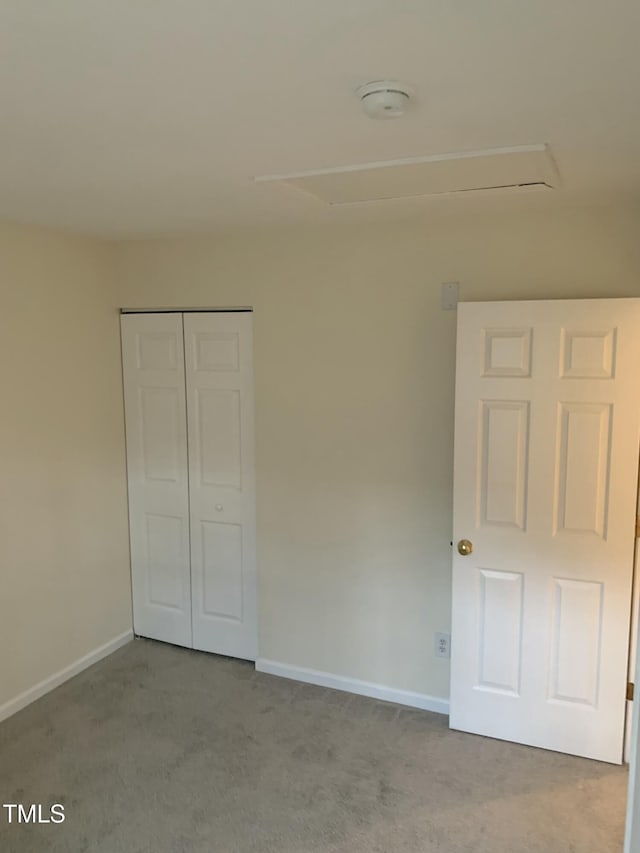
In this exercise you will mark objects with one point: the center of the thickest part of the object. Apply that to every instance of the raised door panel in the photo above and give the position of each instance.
(583, 468)
(504, 449)
(157, 350)
(576, 635)
(500, 635)
(216, 351)
(222, 592)
(160, 411)
(587, 354)
(219, 438)
(507, 352)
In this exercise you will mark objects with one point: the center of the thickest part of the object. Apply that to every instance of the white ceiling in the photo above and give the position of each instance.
(127, 118)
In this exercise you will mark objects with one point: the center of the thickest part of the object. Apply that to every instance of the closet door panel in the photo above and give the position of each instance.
(156, 433)
(219, 372)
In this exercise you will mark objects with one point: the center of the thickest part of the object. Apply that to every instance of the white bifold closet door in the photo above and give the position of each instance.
(188, 381)
(218, 360)
(156, 427)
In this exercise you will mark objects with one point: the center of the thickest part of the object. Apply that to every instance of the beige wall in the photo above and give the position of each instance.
(354, 364)
(354, 369)
(64, 548)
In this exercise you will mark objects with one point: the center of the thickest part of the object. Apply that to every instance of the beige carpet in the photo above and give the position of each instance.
(160, 749)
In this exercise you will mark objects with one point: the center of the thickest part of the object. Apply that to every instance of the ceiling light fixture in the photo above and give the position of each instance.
(384, 98)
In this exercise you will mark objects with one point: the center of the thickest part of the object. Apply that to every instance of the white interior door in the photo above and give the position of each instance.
(156, 430)
(219, 370)
(546, 450)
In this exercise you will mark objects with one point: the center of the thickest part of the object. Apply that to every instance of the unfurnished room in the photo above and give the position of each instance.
(320, 426)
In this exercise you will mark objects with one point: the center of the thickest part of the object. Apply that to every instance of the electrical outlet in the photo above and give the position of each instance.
(443, 645)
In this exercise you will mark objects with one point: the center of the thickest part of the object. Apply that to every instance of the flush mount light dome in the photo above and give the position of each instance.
(384, 98)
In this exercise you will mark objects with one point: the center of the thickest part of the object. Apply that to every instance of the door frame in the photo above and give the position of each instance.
(634, 637)
(632, 747)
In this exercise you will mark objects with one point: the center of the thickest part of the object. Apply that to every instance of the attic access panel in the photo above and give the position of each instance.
(530, 166)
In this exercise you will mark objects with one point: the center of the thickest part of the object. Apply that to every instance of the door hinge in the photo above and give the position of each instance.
(630, 691)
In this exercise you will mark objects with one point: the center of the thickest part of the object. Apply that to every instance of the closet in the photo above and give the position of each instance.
(188, 389)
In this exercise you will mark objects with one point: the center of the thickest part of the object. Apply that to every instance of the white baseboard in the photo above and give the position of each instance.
(354, 685)
(58, 678)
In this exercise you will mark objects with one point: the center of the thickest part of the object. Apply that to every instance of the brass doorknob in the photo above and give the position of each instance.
(465, 547)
